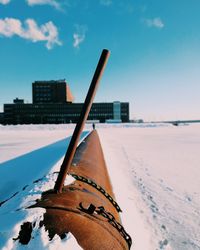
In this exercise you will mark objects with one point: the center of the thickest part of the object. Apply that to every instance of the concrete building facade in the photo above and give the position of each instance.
(51, 92)
(62, 113)
(53, 104)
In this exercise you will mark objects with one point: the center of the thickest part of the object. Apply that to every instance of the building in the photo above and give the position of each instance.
(51, 92)
(18, 101)
(53, 104)
(1, 117)
(55, 113)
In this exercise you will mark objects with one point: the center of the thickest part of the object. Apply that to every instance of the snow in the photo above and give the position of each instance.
(154, 170)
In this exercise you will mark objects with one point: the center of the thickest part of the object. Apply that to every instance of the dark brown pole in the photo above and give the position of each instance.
(79, 126)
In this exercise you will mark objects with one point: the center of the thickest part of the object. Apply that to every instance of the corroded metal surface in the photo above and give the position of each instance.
(68, 211)
(82, 119)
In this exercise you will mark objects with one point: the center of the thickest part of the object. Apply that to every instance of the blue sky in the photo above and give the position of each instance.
(154, 44)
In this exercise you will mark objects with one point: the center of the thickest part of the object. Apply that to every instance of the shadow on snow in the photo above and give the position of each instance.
(17, 173)
(18, 178)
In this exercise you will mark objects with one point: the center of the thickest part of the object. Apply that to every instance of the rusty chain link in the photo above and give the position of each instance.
(99, 188)
(111, 219)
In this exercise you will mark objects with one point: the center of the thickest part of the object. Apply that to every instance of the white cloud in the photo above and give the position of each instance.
(53, 3)
(31, 31)
(4, 1)
(106, 2)
(155, 22)
(79, 35)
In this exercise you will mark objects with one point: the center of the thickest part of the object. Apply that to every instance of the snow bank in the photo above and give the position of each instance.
(154, 169)
(155, 174)
(25, 177)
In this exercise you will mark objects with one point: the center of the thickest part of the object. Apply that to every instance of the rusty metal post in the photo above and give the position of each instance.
(79, 126)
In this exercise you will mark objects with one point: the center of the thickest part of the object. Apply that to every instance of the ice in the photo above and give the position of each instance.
(154, 170)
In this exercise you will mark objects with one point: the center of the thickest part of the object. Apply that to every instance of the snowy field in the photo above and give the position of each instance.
(154, 170)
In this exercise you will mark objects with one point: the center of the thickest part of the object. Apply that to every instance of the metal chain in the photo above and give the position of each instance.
(99, 188)
(111, 219)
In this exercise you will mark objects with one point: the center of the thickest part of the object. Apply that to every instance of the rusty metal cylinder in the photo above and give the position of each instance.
(87, 207)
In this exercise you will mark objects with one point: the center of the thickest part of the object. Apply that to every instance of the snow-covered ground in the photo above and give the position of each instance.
(154, 170)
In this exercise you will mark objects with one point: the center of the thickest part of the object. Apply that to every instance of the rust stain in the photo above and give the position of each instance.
(78, 208)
